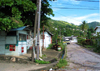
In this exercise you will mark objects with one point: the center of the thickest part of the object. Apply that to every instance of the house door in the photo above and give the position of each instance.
(2, 42)
(22, 44)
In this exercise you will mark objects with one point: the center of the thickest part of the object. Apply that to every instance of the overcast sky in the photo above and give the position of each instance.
(75, 12)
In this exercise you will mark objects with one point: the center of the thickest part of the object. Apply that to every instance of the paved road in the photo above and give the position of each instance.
(81, 59)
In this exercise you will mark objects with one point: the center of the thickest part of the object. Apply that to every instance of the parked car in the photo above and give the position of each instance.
(67, 41)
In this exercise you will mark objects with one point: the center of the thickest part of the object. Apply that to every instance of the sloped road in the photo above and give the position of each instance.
(81, 59)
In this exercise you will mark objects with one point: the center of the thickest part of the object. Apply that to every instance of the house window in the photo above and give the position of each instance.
(22, 37)
(11, 47)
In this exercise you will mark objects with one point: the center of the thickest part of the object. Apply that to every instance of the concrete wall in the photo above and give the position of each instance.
(2, 42)
(11, 40)
(47, 39)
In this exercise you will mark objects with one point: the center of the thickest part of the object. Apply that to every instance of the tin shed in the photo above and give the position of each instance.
(14, 42)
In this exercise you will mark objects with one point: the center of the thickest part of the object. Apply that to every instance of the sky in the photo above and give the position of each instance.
(75, 12)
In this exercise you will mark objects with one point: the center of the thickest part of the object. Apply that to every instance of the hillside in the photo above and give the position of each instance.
(62, 28)
(93, 24)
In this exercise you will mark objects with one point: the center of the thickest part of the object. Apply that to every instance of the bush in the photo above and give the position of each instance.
(81, 41)
(42, 62)
(50, 46)
(62, 63)
(62, 45)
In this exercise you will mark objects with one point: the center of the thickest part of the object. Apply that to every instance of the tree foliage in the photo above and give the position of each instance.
(84, 26)
(11, 12)
(17, 13)
(62, 28)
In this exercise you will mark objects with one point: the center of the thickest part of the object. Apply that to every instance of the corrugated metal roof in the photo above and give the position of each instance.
(96, 27)
(20, 28)
(49, 32)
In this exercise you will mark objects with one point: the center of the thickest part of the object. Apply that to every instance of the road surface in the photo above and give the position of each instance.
(81, 59)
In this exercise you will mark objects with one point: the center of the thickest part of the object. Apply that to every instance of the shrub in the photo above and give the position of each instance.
(62, 63)
(62, 45)
(50, 46)
(81, 41)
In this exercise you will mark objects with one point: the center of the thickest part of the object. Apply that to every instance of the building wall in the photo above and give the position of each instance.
(98, 30)
(22, 45)
(47, 39)
(2, 42)
(11, 40)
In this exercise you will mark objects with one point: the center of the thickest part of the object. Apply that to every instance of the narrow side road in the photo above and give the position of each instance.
(81, 59)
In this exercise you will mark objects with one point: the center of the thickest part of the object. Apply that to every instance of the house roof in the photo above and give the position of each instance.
(20, 28)
(96, 27)
(49, 32)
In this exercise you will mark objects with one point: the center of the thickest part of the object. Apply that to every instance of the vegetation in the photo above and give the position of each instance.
(17, 13)
(62, 28)
(62, 63)
(93, 24)
(91, 42)
(62, 45)
(42, 62)
(50, 46)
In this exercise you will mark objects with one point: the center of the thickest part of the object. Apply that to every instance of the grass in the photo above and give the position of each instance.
(89, 46)
(62, 63)
(50, 46)
(42, 62)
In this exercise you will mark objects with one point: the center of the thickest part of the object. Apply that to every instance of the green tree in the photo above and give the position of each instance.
(84, 26)
(11, 12)
(17, 13)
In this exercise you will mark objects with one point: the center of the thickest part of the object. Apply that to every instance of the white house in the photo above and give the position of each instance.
(14, 42)
(97, 29)
(47, 39)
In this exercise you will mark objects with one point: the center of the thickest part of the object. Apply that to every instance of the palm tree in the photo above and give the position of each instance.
(84, 26)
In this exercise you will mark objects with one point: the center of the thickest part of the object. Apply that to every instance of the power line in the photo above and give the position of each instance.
(88, 0)
(75, 8)
(78, 5)
(65, 16)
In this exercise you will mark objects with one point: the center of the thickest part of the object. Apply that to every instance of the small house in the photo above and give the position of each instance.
(46, 39)
(97, 29)
(14, 42)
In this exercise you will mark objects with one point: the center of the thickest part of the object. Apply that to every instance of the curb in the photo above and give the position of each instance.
(52, 63)
(46, 68)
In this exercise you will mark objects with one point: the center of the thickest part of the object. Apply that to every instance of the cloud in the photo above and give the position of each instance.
(78, 20)
(72, 1)
(87, 16)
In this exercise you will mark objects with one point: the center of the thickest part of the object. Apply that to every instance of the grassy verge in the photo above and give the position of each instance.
(62, 63)
(42, 62)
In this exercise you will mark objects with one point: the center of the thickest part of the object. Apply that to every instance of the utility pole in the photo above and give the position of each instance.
(38, 30)
(33, 49)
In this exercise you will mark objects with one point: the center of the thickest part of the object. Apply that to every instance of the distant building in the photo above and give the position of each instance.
(97, 29)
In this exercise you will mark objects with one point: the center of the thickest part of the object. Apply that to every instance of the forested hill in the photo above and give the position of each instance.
(62, 28)
(93, 24)
(61, 24)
